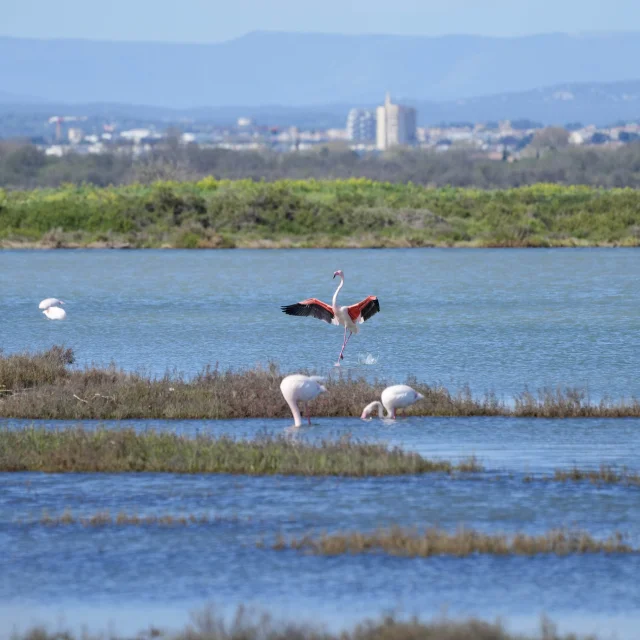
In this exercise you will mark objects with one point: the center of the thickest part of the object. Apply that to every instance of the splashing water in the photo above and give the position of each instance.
(367, 358)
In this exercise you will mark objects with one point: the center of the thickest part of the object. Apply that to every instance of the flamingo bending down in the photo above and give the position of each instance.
(347, 317)
(50, 302)
(398, 396)
(300, 388)
(55, 313)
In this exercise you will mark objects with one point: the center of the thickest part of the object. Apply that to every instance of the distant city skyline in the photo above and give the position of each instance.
(204, 21)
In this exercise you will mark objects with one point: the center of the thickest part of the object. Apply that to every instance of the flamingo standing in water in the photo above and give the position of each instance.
(52, 310)
(50, 302)
(55, 313)
(395, 397)
(300, 388)
(347, 317)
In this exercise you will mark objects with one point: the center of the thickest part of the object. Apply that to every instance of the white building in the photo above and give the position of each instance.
(396, 125)
(75, 135)
(138, 135)
(361, 125)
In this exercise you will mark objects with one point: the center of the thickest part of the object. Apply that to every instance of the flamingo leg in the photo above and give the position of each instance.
(306, 408)
(345, 343)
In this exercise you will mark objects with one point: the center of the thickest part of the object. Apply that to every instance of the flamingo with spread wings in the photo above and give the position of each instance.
(347, 317)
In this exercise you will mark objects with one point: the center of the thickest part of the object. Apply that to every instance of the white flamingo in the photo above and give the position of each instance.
(55, 313)
(347, 317)
(398, 396)
(50, 302)
(300, 388)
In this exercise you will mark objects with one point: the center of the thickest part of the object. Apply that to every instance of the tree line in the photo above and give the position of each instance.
(24, 166)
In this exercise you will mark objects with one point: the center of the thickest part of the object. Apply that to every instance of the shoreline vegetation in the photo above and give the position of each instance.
(412, 543)
(348, 213)
(249, 624)
(76, 450)
(106, 450)
(45, 385)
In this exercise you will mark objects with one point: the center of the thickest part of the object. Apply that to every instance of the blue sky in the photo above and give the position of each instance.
(217, 20)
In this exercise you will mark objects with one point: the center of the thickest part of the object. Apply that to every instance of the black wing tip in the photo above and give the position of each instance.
(371, 309)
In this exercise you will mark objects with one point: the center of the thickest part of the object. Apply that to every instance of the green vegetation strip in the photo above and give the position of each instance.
(44, 386)
(246, 625)
(354, 212)
(75, 449)
(118, 451)
(435, 542)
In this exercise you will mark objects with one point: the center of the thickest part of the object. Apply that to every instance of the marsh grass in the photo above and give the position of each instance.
(604, 475)
(43, 386)
(248, 625)
(125, 450)
(399, 541)
(122, 519)
(571, 402)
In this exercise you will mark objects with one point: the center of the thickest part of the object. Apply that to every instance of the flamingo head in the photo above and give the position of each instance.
(338, 273)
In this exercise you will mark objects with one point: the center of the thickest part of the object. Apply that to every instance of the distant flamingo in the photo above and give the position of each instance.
(347, 317)
(300, 388)
(55, 313)
(398, 396)
(50, 302)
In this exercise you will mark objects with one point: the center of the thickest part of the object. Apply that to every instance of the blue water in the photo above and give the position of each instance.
(497, 320)
(151, 571)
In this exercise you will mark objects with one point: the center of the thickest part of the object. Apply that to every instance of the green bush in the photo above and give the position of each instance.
(354, 211)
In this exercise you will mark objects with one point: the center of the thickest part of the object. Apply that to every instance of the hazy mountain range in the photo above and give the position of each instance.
(587, 77)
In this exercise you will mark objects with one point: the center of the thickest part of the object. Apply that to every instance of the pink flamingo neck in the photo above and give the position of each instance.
(335, 295)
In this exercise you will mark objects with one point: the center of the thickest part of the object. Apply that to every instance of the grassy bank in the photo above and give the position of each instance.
(75, 449)
(246, 625)
(45, 385)
(311, 213)
(125, 450)
(435, 542)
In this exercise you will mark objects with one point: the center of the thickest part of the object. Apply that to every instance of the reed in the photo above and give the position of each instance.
(604, 475)
(248, 625)
(572, 402)
(44, 385)
(413, 543)
(126, 450)
(122, 519)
